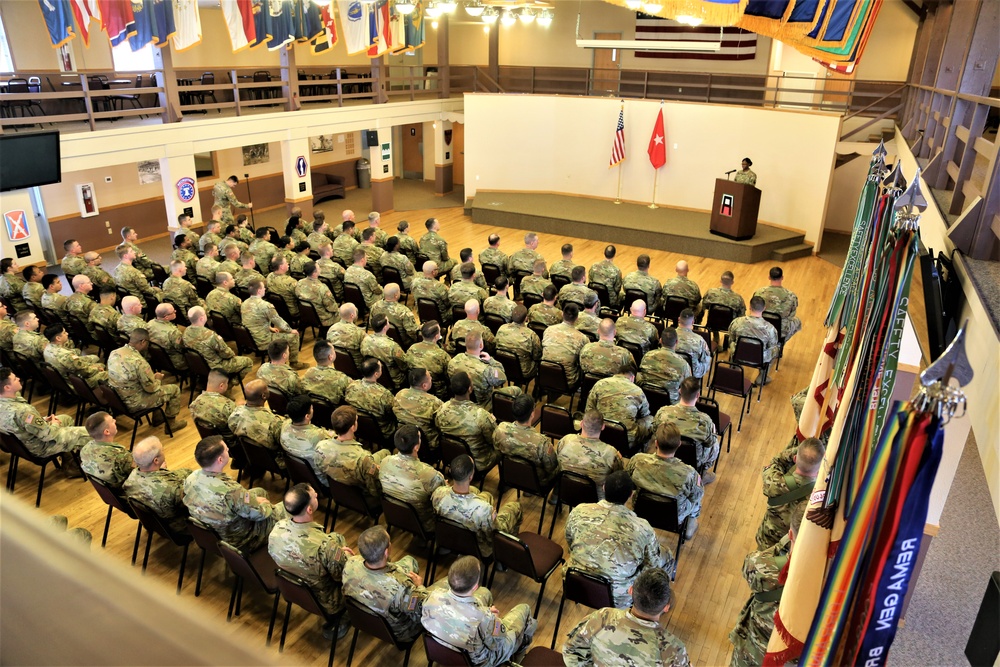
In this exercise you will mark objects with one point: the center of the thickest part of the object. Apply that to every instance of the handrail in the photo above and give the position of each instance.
(485, 75)
(881, 99)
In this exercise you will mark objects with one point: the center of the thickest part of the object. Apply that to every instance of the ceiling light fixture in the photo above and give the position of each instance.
(432, 11)
(634, 5)
(545, 18)
(526, 16)
(651, 7)
(405, 7)
(434, 24)
(508, 19)
(474, 8)
(448, 6)
(490, 16)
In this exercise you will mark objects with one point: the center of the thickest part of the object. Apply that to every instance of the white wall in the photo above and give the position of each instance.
(563, 145)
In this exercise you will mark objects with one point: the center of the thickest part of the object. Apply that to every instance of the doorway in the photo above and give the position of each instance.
(413, 151)
(607, 67)
(458, 153)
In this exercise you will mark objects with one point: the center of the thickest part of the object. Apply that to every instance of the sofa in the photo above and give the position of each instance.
(327, 186)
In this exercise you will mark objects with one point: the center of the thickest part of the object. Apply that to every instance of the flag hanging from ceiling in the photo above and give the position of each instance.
(83, 12)
(282, 23)
(618, 146)
(354, 22)
(58, 15)
(308, 18)
(154, 23)
(117, 20)
(397, 26)
(734, 43)
(379, 29)
(187, 20)
(261, 23)
(415, 27)
(239, 21)
(325, 40)
(658, 143)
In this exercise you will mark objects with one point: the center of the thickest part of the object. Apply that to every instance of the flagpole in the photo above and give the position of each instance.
(656, 173)
(618, 197)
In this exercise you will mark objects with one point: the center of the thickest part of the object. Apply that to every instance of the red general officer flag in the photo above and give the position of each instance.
(658, 143)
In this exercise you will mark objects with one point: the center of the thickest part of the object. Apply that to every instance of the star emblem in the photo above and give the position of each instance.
(658, 140)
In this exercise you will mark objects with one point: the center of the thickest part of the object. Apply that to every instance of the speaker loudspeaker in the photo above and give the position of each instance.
(372, 137)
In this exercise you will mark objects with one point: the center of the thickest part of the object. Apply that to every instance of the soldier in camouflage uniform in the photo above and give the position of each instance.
(224, 197)
(32, 291)
(104, 314)
(379, 346)
(606, 273)
(521, 440)
(466, 289)
(682, 286)
(635, 637)
(216, 353)
(212, 406)
(604, 357)
(130, 278)
(588, 322)
(517, 339)
(234, 237)
(345, 244)
(500, 304)
(462, 419)
(27, 341)
(256, 422)
(585, 454)
(131, 318)
(277, 373)
(546, 312)
(535, 283)
(208, 265)
(297, 264)
(68, 362)
(101, 457)
(493, 255)
(12, 283)
(139, 388)
(330, 271)
(755, 326)
(323, 380)
(52, 300)
(265, 325)
(762, 570)
(406, 477)
(248, 271)
(182, 253)
(487, 374)
(300, 437)
(398, 315)
(564, 267)
(347, 335)
(243, 518)
(42, 436)
(371, 397)
(373, 253)
(576, 291)
(79, 304)
(725, 296)
(471, 323)
(641, 280)
(7, 329)
(693, 425)
(397, 260)
(231, 264)
(280, 283)
(634, 328)
(427, 354)
(407, 244)
(562, 344)
(155, 486)
(781, 301)
(618, 399)
(185, 223)
(787, 482)
(692, 344)
(344, 459)
(262, 249)
(317, 236)
(465, 257)
(130, 239)
(473, 509)
(379, 234)
(362, 278)
(391, 589)
(606, 538)
(661, 473)
(416, 406)
(524, 259)
(663, 368)
(462, 616)
(166, 334)
(435, 247)
(427, 286)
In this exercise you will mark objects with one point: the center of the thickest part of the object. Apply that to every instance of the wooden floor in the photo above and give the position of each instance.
(709, 589)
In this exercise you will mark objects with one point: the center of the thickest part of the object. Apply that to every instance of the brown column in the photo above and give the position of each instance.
(382, 195)
(444, 67)
(443, 179)
(494, 52)
(378, 80)
(169, 99)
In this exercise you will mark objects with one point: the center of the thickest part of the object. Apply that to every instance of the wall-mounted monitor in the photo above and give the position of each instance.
(27, 160)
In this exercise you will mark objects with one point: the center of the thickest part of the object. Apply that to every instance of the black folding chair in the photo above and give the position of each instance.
(363, 618)
(259, 567)
(295, 590)
(154, 524)
(661, 513)
(574, 489)
(584, 588)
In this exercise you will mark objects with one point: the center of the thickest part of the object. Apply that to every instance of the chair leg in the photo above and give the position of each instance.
(333, 517)
(274, 616)
(239, 595)
(166, 423)
(326, 515)
(555, 515)
(135, 547)
(555, 631)
(12, 473)
(333, 642)
(107, 524)
(354, 641)
(135, 429)
(201, 569)
(232, 599)
(432, 563)
(38, 496)
(538, 602)
(541, 518)
(284, 627)
(406, 658)
(180, 576)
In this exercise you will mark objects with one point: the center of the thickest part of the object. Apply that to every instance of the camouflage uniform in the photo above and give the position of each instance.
(79, 306)
(619, 399)
(610, 540)
(524, 260)
(133, 379)
(129, 323)
(67, 363)
(226, 266)
(376, 400)
(218, 355)
(425, 288)
(693, 425)
(210, 237)
(11, 288)
(350, 463)
(326, 382)
(388, 351)
(525, 442)
(417, 408)
(236, 513)
(435, 360)
(105, 317)
(308, 551)
(408, 246)
(297, 264)
(347, 336)
(534, 285)
(244, 277)
(365, 281)
(475, 512)
(399, 261)
(465, 290)
(664, 369)
(588, 457)
(668, 477)
(606, 273)
(263, 251)
(486, 378)
(756, 620)
(783, 302)
(281, 378)
(259, 316)
(754, 327)
(300, 440)
(284, 286)
(456, 275)
(107, 462)
(574, 292)
(182, 293)
(162, 491)
(388, 592)
(546, 314)
(374, 255)
(523, 343)
(436, 249)
(462, 329)
(55, 303)
(604, 358)
(468, 623)
(40, 437)
(213, 408)
(401, 318)
(563, 267)
(7, 331)
(500, 305)
(192, 236)
(725, 297)
(315, 240)
(619, 637)
(693, 345)
(207, 267)
(259, 425)
(134, 282)
(168, 336)
(562, 344)
(30, 344)
(638, 331)
(407, 478)
(589, 325)
(330, 270)
(32, 294)
(686, 289)
(142, 261)
(496, 257)
(343, 248)
(785, 489)
(641, 280)
(474, 426)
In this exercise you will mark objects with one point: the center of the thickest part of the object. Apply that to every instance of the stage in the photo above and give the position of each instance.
(662, 228)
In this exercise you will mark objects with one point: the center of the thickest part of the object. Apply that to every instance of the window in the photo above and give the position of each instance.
(6, 62)
(127, 60)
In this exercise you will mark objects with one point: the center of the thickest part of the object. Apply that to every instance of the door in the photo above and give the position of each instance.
(457, 149)
(607, 66)
(413, 151)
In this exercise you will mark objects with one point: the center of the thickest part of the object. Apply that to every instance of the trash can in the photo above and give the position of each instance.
(364, 174)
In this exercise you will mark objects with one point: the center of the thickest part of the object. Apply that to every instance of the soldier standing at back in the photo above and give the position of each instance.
(788, 481)
(435, 247)
(139, 388)
(663, 368)
(225, 198)
(662, 473)
(781, 301)
(606, 273)
(155, 486)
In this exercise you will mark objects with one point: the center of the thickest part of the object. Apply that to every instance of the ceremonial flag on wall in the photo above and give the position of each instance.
(116, 20)
(187, 21)
(154, 24)
(261, 23)
(658, 143)
(618, 146)
(414, 22)
(379, 29)
(397, 27)
(83, 12)
(308, 21)
(239, 22)
(737, 44)
(58, 15)
(354, 22)
(282, 24)
(325, 40)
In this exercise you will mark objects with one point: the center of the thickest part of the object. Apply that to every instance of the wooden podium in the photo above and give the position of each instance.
(734, 210)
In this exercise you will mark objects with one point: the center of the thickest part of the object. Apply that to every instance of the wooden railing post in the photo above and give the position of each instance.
(170, 98)
(444, 61)
(235, 78)
(340, 89)
(290, 78)
(88, 103)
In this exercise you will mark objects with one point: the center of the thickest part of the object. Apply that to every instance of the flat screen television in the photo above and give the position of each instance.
(27, 160)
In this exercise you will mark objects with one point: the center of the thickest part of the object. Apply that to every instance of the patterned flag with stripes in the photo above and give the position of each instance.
(736, 43)
(618, 148)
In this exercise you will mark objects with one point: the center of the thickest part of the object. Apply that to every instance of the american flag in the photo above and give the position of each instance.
(618, 149)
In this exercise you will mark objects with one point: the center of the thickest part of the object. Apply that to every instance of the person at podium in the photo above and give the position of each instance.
(745, 175)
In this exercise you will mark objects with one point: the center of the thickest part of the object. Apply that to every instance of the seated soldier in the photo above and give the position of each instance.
(212, 348)
(265, 325)
(517, 339)
(465, 257)
(178, 290)
(212, 407)
(276, 372)
(536, 283)
(52, 301)
(753, 325)
(208, 265)
(248, 271)
(562, 344)
(395, 258)
(519, 439)
(463, 327)
(576, 291)
(618, 399)
(399, 316)
(279, 282)
(663, 474)
(589, 322)
(606, 273)
(131, 318)
(331, 272)
(692, 344)
(347, 335)
(104, 315)
(428, 354)
(417, 406)
(221, 300)
(138, 386)
(462, 419)
(634, 328)
(642, 281)
(323, 380)
(466, 289)
(427, 286)
(781, 301)
(357, 274)
(663, 368)
(166, 334)
(155, 486)
(486, 373)
(405, 477)
(370, 397)
(723, 295)
(693, 425)
(300, 437)
(682, 286)
(788, 480)
(379, 346)
(344, 460)
(585, 454)
(493, 255)
(312, 290)
(67, 362)
(500, 303)
(604, 357)
(254, 421)
(79, 304)
(524, 259)
(27, 341)
(101, 457)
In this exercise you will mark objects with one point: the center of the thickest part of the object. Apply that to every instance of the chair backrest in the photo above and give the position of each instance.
(152, 522)
(260, 76)
(719, 317)
(368, 429)
(687, 452)
(17, 86)
(401, 514)
(673, 305)
(112, 497)
(774, 319)
(556, 421)
(559, 280)
(208, 79)
(513, 552)
(322, 411)
(530, 299)
(14, 446)
(452, 447)
(728, 378)
(711, 408)
(748, 352)
(295, 590)
(277, 401)
(280, 306)
(393, 334)
(260, 457)
(520, 474)
(390, 274)
(458, 538)
(602, 292)
(349, 496)
(445, 655)
(633, 295)
(635, 349)
(490, 273)
(301, 472)
(493, 322)
(204, 287)
(503, 407)
(616, 435)
(705, 333)
(159, 359)
(656, 397)
(243, 566)
(575, 489)
(422, 259)
(197, 364)
(244, 341)
(352, 294)
(584, 588)
(112, 399)
(205, 536)
(587, 383)
(659, 510)
(345, 363)
(54, 378)
(428, 310)
(83, 390)
(552, 377)
(539, 328)
(457, 313)
(367, 621)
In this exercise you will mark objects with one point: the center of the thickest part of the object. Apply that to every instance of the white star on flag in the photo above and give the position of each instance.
(658, 139)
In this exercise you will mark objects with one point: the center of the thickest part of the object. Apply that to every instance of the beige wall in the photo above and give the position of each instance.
(848, 179)
(60, 198)
(887, 54)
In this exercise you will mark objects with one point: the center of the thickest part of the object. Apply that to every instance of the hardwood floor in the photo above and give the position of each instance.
(709, 590)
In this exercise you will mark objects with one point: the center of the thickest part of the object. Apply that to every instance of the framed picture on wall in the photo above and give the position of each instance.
(149, 172)
(86, 199)
(256, 154)
(321, 144)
